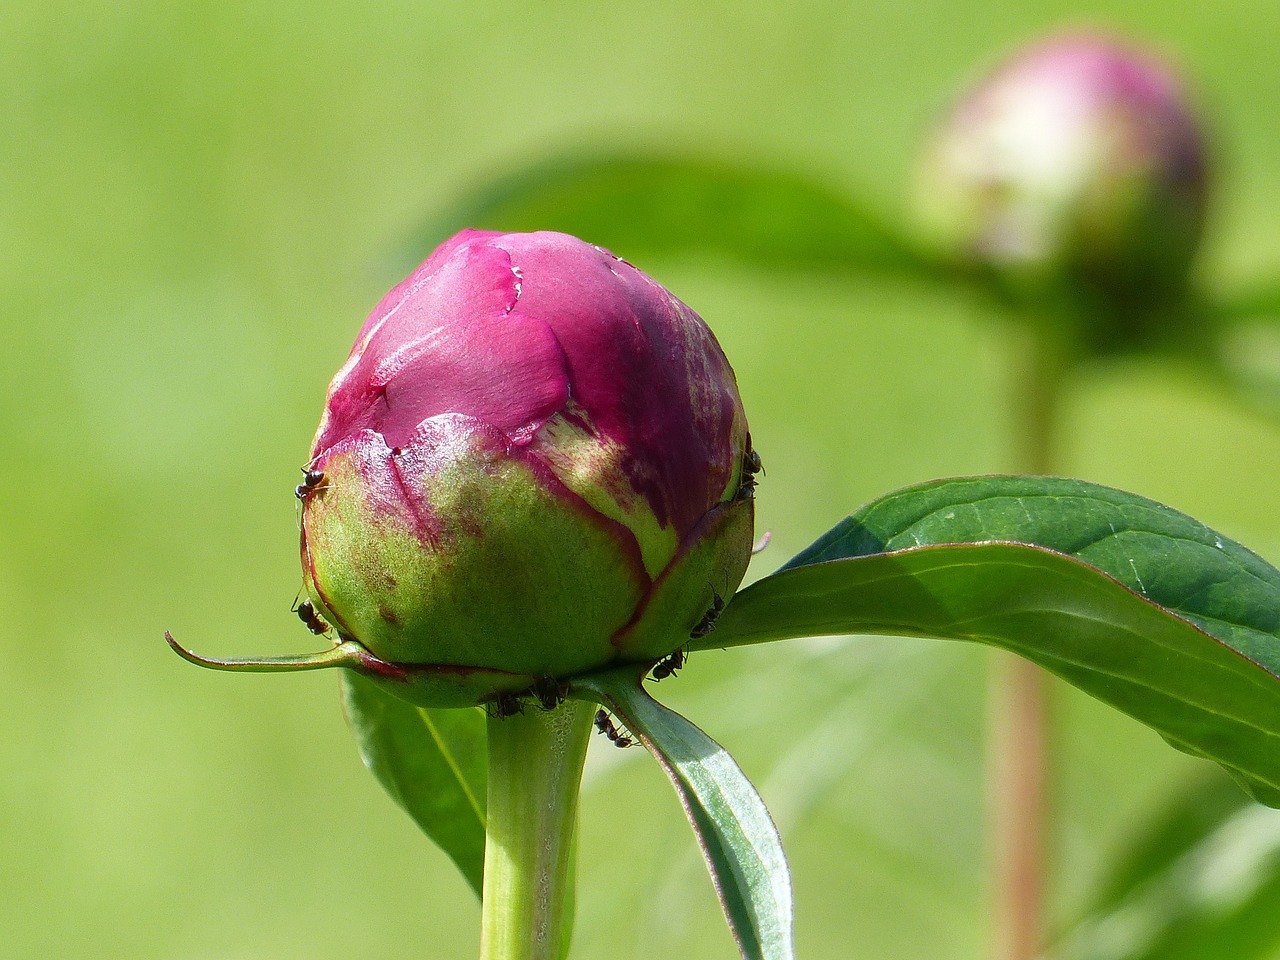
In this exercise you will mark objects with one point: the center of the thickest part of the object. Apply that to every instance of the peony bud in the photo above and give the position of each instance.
(1079, 160)
(534, 463)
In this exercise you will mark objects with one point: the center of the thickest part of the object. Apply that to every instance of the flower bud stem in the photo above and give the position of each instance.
(1020, 760)
(535, 771)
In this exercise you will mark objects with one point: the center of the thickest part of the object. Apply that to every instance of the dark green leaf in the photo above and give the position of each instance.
(737, 835)
(1200, 885)
(641, 206)
(432, 762)
(1139, 605)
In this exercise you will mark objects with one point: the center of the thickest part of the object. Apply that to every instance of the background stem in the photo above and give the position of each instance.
(535, 770)
(1019, 775)
(1018, 767)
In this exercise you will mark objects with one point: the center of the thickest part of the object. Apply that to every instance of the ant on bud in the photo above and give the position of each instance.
(668, 665)
(548, 692)
(605, 725)
(708, 621)
(751, 465)
(307, 614)
(504, 705)
(311, 481)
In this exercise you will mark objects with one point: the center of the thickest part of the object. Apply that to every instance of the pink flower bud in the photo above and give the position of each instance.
(534, 463)
(1076, 159)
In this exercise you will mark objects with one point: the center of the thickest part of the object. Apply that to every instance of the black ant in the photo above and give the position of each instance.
(504, 705)
(307, 614)
(668, 665)
(311, 480)
(605, 726)
(548, 692)
(708, 621)
(751, 465)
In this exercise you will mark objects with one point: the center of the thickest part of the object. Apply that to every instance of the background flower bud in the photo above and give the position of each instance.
(534, 464)
(1076, 159)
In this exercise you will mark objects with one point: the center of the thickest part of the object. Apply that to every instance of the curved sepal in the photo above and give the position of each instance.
(348, 653)
(422, 684)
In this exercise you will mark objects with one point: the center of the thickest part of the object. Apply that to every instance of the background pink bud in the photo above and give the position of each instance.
(535, 464)
(1077, 158)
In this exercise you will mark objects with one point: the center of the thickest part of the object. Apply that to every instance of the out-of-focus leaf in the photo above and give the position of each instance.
(1262, 300)
(1202, 884)
(432, 762)
(1246, 358)
(1167, 836)
(1139, 605)
(1242, 344)
(734, 830)
(640, 206)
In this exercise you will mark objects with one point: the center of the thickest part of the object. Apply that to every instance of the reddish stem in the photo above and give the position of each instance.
(1018, 770)
(1019, 760)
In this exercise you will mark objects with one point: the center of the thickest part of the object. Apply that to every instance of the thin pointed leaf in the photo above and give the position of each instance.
(1139, 605)
(432, 762)
(734, 830)
(641, 206)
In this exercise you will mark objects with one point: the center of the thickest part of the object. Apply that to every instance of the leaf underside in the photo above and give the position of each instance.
(1133, 602)
(737, 836)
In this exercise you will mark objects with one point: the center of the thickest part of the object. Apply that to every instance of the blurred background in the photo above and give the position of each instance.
(199, 203)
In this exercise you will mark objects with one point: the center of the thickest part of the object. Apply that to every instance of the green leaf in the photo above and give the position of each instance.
(432, 762)
(640, 206)
(1200, 885)
(1139, 605)
(734, 830)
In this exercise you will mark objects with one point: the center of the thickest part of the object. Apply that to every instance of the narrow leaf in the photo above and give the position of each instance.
(1139, 605)
(432, 762)
(734, 830)
(641, 206)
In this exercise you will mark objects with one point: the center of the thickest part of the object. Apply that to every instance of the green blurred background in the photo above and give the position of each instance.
(200, 201)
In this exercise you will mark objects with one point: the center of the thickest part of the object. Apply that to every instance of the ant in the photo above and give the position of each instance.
(307, 614)
(708, 621)
(668, 665)
(548, 692)
(311, 480)
(751, 465)
(605, 725)
(504, 705)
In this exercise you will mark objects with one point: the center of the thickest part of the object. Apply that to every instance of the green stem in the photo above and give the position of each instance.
(535, 770)
(1045, 357)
